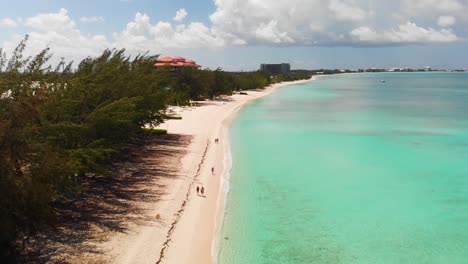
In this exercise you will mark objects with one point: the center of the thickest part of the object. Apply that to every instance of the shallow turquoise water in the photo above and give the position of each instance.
(347, 169)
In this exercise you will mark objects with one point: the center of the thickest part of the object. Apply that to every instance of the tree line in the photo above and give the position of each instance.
(59, 124)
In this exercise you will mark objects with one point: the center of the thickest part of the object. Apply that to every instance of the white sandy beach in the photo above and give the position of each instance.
(189, 224)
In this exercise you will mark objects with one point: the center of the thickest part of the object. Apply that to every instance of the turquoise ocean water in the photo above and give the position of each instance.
(347, 169)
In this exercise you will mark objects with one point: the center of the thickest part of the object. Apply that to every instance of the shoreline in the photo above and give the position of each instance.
(224, 187)
(188, 226)
(206, 250)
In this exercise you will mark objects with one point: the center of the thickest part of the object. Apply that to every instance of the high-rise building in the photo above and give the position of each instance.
(275, 69)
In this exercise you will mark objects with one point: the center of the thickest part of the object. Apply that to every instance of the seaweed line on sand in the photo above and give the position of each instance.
(179, 213)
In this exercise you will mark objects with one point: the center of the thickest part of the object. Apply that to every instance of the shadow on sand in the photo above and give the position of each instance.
(109, 203)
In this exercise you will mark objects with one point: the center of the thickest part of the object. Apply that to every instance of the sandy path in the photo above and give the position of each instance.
(189, 224)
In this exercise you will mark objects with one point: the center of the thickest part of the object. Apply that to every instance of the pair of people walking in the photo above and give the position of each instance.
(201, 191)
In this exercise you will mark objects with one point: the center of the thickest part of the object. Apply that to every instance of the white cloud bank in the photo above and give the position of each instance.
(335, 22)
(142, 35)
(257, 22)
(407, 33)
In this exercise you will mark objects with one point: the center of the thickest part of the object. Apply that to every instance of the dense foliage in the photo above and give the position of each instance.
(289, 77)
(59, 124)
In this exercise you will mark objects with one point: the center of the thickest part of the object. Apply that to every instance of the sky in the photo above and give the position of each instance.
(241, 34)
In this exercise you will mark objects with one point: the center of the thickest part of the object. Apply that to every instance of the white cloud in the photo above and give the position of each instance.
(92, 19)
(8, 23)
(404, 34)
(278, 22)
(140, 35)
(270, 33)
(180, 15)
(433, 6)
(59, 32)
(308, 22)
(257, 22)
(446, 21)
(346, 10)
(365, 34)
(58, 22)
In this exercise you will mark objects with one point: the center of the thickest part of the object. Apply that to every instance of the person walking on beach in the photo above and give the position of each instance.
(202, 191)
(198, 190)
(212, 170)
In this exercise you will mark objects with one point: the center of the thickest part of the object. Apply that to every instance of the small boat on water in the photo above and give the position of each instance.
(382, 81)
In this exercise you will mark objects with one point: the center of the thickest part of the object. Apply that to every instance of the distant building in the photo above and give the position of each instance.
(275, 68)
(176, 63)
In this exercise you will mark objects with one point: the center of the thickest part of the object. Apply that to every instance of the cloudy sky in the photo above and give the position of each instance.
(240, 34)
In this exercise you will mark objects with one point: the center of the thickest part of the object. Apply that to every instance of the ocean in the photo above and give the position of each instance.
(349, 169)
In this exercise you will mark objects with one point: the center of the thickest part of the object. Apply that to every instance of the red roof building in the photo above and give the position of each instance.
(165, 59)
(176, 62)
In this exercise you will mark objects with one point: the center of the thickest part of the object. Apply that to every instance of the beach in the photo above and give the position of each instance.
(189, 224)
